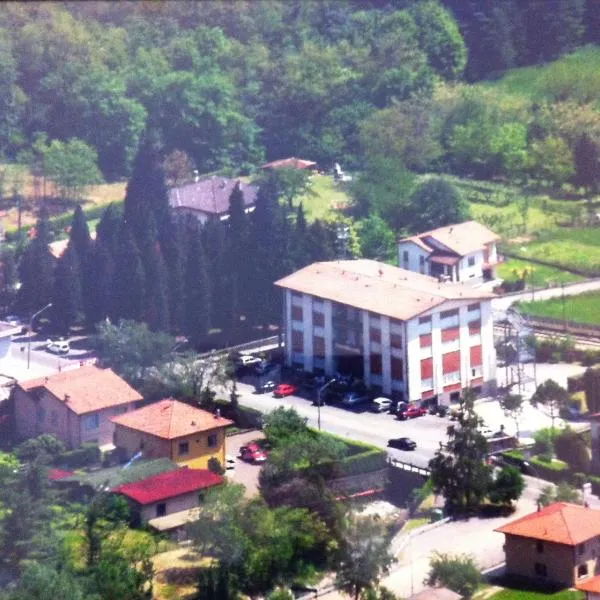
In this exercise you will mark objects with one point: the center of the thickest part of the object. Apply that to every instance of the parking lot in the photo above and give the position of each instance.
(244, 472)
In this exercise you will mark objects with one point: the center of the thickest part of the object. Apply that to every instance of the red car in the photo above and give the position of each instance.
(253, 453)
(412, 412)
(285, 389)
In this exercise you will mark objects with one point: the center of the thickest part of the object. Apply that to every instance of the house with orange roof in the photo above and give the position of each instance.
(558, 544)
(461, 252)
(291, 163)
(403, 333)
(171, 429)
(75, 405)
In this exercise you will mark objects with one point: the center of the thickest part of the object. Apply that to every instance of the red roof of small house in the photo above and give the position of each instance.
(170, 419)
(290, 163)
(561, 523)
(86, 389)
(57, 474)
(590, 585)
(169, 485)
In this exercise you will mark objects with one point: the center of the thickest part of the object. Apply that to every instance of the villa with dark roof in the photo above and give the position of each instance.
(559, 544)
(210, 198)
(463, 252)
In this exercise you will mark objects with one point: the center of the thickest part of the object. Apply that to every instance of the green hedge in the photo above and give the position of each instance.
(366, 462)
(85, 456)
(551, 471)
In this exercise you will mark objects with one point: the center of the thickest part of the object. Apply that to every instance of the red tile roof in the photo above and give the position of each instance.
(378, 287)
(170, 419)
(290, 163)
(57, 474)
(462, 238)
(561, 523)
(590, 585)
(169, 485)
(86, 389)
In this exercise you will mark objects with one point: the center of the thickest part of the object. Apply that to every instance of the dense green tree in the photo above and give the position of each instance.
(436, 203)
(44, 448)
(459, 471)
(36, 270)
(12, 98)
(552, 397)
(79, 234)
(508, 485)
(109, 228)
(552, 160)
(197, 290)
(67, 302)
(39, 582)
(587, 163)
(8, 278)
(72, 165)
(377, 240)
(364, 556)
(512, 405)
(128, 293)
(440, 37)
(100, 274)
(563, 492)
(456, 572)
(571, 447)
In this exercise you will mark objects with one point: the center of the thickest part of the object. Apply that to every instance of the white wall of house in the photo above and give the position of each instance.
(471, 266)
(414, 254)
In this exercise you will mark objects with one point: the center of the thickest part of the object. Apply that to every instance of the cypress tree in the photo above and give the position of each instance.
(128, 279)
(109, 228)
(79, 236)
(197, 287)
(66, 297)
(101, 268)
(36, 270)
(213, 242)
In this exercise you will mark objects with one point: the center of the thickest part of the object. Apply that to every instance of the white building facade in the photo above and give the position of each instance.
(433, 354)
(465, 252)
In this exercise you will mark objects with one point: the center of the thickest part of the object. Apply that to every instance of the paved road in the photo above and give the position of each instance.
(503, 302)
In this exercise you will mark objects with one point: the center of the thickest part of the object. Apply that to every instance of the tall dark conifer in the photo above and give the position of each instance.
(81, 241)
(213, 242)
(108, 229)
(36, 270)
(101, 269)
(128, 280)
(66, 296)
(197, 287)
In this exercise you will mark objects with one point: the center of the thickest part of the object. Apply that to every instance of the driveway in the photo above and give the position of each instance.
(244, 473)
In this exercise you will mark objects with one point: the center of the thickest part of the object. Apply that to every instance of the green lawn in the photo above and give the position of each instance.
(516, 594)
(325, 197)
(578, 248)
(541, 275)
(584, 308)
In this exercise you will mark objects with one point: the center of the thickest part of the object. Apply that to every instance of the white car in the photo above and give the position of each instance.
(247, 360)
(58, 346)
(381, 404)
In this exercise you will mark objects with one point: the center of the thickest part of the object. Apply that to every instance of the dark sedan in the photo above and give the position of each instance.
(402, 443)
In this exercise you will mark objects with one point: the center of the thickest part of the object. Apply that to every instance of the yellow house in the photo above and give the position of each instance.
(172, 429)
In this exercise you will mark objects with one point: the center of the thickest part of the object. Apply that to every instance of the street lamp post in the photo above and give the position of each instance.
(319, 392)
(33, 316)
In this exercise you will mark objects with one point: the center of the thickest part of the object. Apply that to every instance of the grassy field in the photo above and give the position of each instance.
(518, 594)
(541, 275)
(324, 198)
(578, 248)
(584, 308)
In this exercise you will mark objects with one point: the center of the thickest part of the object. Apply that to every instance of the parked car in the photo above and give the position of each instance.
(285, 389)
(246, 360)
(58, 346)
(402, 443)
(355, 398)
(381, 404)
(253, 453)
(412, 412)
(264, 366)
(265, 386)
(438, 409)
(16, 321)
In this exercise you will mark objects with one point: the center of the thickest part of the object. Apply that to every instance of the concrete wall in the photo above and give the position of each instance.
(173, 505)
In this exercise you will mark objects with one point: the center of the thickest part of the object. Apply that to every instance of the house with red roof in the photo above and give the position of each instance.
(171, 429)
(558, 544)
(461, 252)
(75, 405)
(167, 493)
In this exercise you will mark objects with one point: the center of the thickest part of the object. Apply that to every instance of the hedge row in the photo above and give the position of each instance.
(366, 462)
(85, 456)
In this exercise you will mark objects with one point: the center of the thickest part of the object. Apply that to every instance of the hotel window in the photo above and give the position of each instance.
(184, 448)
(318, 319)
(319, 347)
(395, 340)
(375, 335)
(397, 369)
(473, 307)
(376, 364)
(450, 378)
(296, 313)
(297, 341)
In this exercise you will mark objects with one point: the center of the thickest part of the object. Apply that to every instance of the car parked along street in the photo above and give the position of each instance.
(402, 443)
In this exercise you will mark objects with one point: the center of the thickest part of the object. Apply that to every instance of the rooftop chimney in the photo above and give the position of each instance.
(193, 423)
(218, 413)
(67, 397)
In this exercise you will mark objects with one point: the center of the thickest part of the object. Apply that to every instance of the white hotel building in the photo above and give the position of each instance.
(402, 332)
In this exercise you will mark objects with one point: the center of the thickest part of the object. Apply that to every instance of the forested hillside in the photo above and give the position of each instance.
(234, 83)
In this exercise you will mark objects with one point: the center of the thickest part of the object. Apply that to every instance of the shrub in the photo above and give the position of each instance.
(366, 462)
(544, 442)
(46, 447)
(458, 573)
(571, 448)
(214, 465)
(85, 456)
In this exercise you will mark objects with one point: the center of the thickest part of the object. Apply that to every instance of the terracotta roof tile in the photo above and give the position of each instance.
(561, 523)
(590, 585)
(462, 238)
(169, 485)
(378, 287)
(170, 419)
(86, 389)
